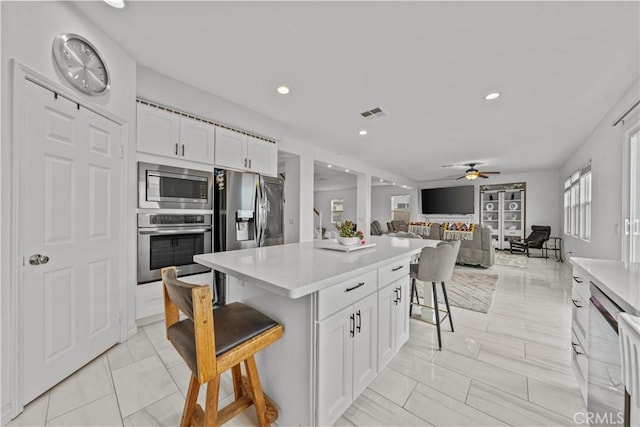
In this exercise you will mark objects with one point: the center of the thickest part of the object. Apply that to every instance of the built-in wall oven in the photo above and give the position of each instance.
(171, 239)
(166, 187)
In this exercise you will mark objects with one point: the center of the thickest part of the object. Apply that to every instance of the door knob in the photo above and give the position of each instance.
(38, 259)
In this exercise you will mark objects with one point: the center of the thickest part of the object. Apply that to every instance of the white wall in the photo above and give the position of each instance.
(604, 146)
(322, 202)
(542, 198)
(381, 203)
(28, 30)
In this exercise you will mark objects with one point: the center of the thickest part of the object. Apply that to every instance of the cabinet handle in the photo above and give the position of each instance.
(397, 268)
(354, 287)
(182, 150)
(400, 293)
(176, 149)
(575, 302)
(352, 323)
(576, 279)
(359, 324)
(245, 162)
(574, 345)
(249, 163)
(396, 300)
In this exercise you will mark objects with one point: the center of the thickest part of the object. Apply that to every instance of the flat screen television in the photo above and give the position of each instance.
(448, 200)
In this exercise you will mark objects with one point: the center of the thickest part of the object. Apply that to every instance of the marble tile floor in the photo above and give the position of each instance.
(511, 366)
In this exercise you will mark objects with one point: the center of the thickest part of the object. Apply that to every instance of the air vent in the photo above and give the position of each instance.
(374, 113)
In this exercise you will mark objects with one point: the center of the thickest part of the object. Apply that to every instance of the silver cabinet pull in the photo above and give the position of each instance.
(249, 163)
(38, 259)
(176, 148)
(352, 325)
(359, 322)
(245, 162)
(575, 302)
(397, 268)
(182, 150)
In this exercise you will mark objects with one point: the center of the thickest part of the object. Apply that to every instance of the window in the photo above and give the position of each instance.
(585, 203)
(577, 203)
(400, 207)
(337, 209)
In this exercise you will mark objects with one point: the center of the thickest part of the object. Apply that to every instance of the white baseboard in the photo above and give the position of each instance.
(149, 319)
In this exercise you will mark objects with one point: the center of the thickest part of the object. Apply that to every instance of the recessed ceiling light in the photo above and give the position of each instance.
(329, 166)
(394, 183)
(381, 180)
(492, 95)
(119, 4)
(346, 170)
(283, 90)
(363, 132)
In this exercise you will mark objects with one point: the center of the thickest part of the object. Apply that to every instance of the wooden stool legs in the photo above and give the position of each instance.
(190, 402)
(247, 391)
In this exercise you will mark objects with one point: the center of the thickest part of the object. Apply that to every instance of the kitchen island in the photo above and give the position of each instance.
(345, 315)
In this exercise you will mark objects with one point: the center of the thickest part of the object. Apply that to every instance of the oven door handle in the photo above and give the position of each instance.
(181, 231)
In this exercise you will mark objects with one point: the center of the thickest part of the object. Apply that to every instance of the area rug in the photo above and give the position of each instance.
(466, 289)
(511, 260)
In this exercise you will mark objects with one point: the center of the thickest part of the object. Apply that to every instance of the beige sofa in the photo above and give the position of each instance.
(478, 251)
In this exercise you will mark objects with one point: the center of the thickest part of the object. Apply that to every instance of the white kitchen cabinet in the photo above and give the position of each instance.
(393, 319)
(347, 357)
(580, 295)
(167, 134)
(235, 150)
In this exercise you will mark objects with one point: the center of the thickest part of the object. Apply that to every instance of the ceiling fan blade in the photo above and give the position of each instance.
(461, 177)
(482, 176)
(489, 173)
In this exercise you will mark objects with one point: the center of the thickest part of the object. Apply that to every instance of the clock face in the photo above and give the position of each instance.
(80, 63)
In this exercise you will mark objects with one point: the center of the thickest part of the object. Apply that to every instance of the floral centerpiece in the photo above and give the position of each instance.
(348, 234)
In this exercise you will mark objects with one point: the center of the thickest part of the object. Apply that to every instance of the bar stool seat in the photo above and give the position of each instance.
(239, 333)
(435, 265)
(629, 333)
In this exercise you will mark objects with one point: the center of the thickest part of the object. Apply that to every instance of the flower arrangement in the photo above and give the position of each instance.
(348, 234)
(347, 229)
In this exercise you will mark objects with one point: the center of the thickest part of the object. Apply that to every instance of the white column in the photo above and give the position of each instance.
(306, 198)
(292, 200)
(364, 204)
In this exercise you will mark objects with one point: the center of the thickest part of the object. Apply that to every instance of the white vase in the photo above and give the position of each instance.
(348, 241)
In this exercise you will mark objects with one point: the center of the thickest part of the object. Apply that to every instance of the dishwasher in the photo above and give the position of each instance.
(605, 390)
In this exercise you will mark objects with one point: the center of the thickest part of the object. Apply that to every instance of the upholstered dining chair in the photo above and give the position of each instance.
(376, 228)
(435, 265)
(208, 350)
(539, 235)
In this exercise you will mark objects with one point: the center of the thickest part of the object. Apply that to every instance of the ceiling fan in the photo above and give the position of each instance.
(473, 173)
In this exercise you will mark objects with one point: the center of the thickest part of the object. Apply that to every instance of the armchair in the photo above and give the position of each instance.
(539, 235)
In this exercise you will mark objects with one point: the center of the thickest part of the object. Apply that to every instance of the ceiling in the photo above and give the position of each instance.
(560, 66)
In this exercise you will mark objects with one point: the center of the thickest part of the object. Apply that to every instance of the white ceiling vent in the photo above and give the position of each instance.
(374, 113)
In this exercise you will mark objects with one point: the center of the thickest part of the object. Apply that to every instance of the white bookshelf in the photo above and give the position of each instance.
(503, 208)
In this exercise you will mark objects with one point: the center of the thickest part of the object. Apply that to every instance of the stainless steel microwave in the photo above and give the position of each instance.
(166, 187)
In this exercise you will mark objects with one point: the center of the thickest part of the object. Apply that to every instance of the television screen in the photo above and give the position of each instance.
(448, 201)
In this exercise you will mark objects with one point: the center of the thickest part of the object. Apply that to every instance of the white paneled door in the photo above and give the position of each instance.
(70, 204)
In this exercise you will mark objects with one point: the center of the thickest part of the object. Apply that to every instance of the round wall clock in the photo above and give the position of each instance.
(81, 64)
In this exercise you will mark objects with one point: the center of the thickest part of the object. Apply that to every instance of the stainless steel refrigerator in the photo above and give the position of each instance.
(248, 213)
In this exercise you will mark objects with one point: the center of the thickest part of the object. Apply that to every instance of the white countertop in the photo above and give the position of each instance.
(621, 281)
(299, 269)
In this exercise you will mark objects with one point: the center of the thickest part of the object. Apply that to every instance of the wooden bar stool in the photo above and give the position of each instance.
(239, 333)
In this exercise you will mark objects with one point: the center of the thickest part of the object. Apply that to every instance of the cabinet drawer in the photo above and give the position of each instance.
(579, 315)
(580, 283)
(580, 364)
(346, 293)
(392, 272)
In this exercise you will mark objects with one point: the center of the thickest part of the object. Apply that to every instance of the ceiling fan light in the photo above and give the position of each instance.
(472, 175)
